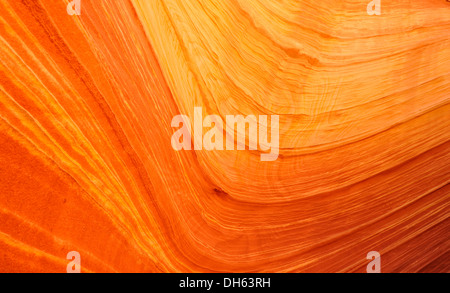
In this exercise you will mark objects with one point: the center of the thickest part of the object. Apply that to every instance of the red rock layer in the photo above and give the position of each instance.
(86, 104)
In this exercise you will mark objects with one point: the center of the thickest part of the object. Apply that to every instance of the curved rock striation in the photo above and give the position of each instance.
(87, 165)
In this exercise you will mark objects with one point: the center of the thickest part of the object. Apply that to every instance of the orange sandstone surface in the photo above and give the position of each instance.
(86, 162)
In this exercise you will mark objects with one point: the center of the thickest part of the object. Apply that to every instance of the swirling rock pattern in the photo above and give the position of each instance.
(86, 104)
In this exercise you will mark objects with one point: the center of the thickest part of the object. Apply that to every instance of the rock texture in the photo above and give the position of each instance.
(86, 161)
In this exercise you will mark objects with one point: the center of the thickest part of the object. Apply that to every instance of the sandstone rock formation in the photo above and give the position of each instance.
(86, 104)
